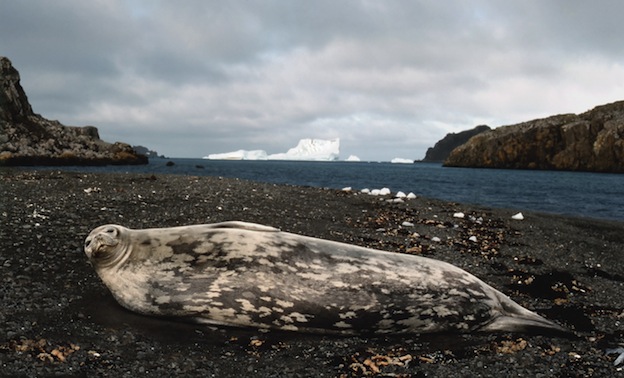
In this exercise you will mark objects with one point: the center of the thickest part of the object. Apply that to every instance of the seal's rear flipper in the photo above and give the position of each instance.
(515, 318)
(535, 323)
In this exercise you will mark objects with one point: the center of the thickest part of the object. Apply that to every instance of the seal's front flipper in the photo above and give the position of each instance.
(245, 226)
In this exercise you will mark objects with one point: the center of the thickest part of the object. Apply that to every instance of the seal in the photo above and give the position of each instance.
(250, 275)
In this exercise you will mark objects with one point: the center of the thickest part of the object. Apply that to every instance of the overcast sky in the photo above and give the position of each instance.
(389, 78)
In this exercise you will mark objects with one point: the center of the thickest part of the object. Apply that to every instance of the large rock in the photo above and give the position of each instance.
(442, 149)
(27, 138)
(591, 141)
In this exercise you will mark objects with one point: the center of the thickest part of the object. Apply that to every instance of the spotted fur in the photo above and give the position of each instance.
(249, 275)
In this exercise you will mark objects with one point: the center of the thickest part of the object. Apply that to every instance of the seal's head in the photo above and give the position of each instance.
(106, 245)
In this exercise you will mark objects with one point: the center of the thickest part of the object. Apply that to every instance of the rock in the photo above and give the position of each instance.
(14, 106)
(147, 152)
(441, 150)
(27, 138)
(591, 141)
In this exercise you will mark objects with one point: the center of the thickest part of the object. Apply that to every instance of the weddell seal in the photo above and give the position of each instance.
(250, 275)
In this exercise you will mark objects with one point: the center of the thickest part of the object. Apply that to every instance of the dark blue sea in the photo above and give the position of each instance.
(592, 195)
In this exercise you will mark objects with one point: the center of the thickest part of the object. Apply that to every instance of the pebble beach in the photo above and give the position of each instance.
(58, 319)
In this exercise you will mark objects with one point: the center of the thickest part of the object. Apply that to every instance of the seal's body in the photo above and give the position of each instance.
(245, 274)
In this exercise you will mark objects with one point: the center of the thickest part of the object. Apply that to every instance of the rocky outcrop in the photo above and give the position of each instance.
(147, 152)
(441, 150)
(27, 138)
(591, 141)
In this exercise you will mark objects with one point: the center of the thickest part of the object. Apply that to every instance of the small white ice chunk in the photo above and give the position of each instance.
(518, 216)
(346, 189)
(365, 191)
(459, 215)
(411, 195)
(375, 192)
(436, 239)
(473, 239)
(384, 191)
(400, 195)
(407, 224)
(402, 161)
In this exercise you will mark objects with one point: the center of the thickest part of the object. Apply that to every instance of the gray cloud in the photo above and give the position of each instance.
(389, 78)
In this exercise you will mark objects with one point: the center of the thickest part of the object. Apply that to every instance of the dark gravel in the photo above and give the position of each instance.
(57, 318)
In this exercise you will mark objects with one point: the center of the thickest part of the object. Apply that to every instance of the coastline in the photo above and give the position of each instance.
(568, 269)
(576, 194)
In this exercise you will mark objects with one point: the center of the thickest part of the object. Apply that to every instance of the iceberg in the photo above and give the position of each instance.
(239, 155)
(306, 149)
(353, 158)
(401, 161)
(311, 149)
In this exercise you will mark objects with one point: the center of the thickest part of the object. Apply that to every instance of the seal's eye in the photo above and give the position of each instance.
(111, 231)
(87, 242)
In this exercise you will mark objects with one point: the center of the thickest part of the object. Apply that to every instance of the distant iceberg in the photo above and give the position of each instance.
(239, 155)
(402, 161)
(306, 149)
(312, 149)
(353, 158)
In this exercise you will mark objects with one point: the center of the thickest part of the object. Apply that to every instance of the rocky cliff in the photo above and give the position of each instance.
(591, 141)
(27, 138)
(441, 150)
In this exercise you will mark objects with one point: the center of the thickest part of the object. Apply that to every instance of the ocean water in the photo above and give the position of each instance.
(591, 195)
